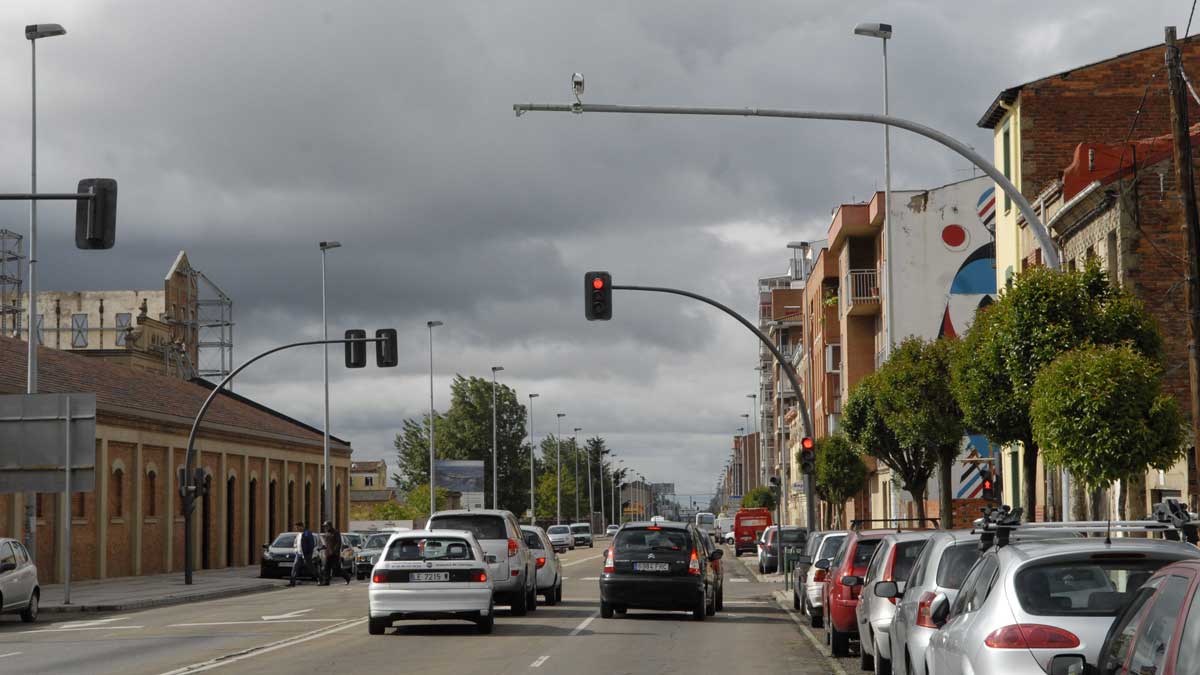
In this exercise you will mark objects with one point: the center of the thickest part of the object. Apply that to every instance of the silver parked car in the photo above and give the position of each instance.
(810, 582)
(893, 560)
(1026, 605)
(549, 567)
(561, 537)
(19, 588)
(513, 572)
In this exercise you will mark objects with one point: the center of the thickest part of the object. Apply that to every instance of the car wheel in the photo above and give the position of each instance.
(606, 610)
(721, 597)
(377, 626)
(531, 599)
(701, 609)
(711, 609)
(485, 623)
(815, 619)
(882, 666)
(30, 613)
(520, 606)
(360, 576)
(558, 592)
(796, 605)
(591, 545)
(621, 610)
(865, 660)
(839, 642)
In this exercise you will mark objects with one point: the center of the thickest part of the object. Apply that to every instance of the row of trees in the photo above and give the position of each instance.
(464, 432)
(1066, 364)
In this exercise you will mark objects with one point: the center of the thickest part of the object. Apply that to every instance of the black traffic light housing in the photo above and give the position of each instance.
(387, 350)
(808, 456)
(96, 218)
(356, 349)
(988, 479)
(597, 296)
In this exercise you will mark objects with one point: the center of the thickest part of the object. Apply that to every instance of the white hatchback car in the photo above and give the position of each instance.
(549, 568)
(561, 537)
(431, 574)
(19, 589)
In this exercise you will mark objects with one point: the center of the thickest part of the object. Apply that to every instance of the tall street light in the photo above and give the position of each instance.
(757, 425)
(883, 31)
(745, 447)
(326, 481)
(532, 461)
(495, 452)
(432, 413)
(558, 471)
(575, 476)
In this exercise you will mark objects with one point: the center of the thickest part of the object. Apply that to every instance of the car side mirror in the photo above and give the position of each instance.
(939, 609)
(823, 564)
(1071, 664)
(7, 567)
(887, 589)
(491, 559)
(716, 555)
(850, 581)
(266, 546)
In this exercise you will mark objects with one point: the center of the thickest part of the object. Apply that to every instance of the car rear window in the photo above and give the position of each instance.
(907, 553)
(645, 539)
(482, 526)
(863, 551)
(830, 546)
(559, 529)
(532, 540)
(581, 529)
(956, 562)
(794, 536)
(377, 540)
(1085, 587)
(285, 541)
(429, 548)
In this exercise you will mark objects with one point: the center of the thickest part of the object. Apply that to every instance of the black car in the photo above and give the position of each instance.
(793, 537)
(663, 566)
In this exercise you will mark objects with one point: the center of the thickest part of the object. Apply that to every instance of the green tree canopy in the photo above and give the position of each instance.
(760, 497)
(1043, 315)
(1100, 412)
(841, 473)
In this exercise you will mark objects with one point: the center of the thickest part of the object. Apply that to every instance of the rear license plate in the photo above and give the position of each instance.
(651, 567)
(429, 576)
(285, 564)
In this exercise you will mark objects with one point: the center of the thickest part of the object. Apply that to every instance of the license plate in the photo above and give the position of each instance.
(285, 564)
(429, 576)
(651, 567)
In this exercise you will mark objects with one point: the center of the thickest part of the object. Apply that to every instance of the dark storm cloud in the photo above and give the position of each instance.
(247, 132)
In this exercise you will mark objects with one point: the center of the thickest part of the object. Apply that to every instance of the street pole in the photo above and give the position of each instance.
(326, 478)
(558, 471)
(532, 462)
(495, 452)
(1185, 180)
(603, 512)
(575, 476)
(432, 414)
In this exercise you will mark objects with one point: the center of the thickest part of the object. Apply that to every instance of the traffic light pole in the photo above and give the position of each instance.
(810, 505)
(188, 489)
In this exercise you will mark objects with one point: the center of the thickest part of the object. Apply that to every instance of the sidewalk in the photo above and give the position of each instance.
(126, 593)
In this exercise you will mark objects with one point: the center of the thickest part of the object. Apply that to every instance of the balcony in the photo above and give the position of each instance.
(862, 292)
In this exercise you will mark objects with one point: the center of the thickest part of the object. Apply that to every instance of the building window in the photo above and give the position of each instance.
(151, 498)
(1006, 140)
(79, 327)
(39, 505)
(116, 502)
(123, 323)
(79, 505)
(368, 481)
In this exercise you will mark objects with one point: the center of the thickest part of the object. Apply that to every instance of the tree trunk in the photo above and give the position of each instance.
(946, 498)
(918, 493)
(1134, 489)
(1029, 480)
(1080, 501)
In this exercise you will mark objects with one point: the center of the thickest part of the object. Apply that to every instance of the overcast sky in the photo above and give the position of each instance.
(246, 132)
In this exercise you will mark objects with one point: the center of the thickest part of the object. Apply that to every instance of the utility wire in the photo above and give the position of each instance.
(1189, 23)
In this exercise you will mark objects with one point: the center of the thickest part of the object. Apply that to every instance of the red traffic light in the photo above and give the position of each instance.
(807, 443)
(598, 283)
(987, 485)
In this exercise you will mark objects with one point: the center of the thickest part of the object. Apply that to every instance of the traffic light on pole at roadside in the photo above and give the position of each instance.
(988, 480)
(597, 296)
(808, 456)
(356, 348)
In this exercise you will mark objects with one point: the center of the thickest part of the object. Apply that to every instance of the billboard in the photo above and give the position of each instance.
(463, 476)
(35, 431)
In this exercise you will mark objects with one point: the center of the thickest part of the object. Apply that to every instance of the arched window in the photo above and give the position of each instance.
(150, 497)
(116, 500)
(79, 505)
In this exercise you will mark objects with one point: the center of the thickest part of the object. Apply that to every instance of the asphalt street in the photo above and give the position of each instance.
(323, 629)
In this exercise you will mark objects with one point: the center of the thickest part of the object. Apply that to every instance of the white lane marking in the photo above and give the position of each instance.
(741, 603)
(243, 623)
(576, 562)
(584, 624)
(289, 615)
(535, 664)
(264, 649)
(11, 654)
(89, 624)
(738, 580)
(817, 645)
(75, 630)
(590, 579)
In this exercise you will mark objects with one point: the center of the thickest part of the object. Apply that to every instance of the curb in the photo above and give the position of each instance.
(148, 603)
(782, 601)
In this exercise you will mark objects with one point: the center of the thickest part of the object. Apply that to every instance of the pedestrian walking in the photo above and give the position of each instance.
(306, 543)
(332, 539)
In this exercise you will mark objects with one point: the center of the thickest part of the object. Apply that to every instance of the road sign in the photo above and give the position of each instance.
(33, 442)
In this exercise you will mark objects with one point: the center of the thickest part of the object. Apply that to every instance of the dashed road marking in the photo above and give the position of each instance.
(576, 562)
(539, 662)
(242, 623)
(80, 628)
(264, 649)
(11, 654)
(590, 579)
(583, 624)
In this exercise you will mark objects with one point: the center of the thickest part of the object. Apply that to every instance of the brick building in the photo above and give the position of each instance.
(263, 468)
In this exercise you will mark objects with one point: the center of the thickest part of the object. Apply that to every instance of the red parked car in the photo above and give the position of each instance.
(1159, 630)
(839, 599)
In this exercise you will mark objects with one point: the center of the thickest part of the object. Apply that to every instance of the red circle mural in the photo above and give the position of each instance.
(954, 236)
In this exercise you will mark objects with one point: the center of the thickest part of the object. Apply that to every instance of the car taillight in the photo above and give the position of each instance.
(513, 548)
(481, 577)
(924, 610)
(819, 576)
(694, 563)
(541, 562)
(608, 562)
(378, 578)
(1031, 636)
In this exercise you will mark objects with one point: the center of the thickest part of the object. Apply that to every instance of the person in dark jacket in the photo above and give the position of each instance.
(333, 553)
(306, 543)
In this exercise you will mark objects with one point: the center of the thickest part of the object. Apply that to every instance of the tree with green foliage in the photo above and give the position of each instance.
(761, 497)
(914, 397)
(865, 421)
(841, 473)
(1043, 315)
(1101, 413)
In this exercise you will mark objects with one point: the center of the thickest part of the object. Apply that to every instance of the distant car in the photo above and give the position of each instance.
(662, 567)
(612, 530)
(549, 568)
(706, 522)
(279, 556)
(582, 533)
(431, 574)
(561, 537)
(19, 588)
(514, 572)
(729, 538)
(809, 585)
(893, 561)
(368, 554)
(792, 538)
(1146, 637)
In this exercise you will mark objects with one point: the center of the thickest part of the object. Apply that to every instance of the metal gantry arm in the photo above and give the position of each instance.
(1049, 252)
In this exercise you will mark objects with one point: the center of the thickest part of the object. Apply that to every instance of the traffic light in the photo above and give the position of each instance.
(96, 218)
(356, 351)
(387, 351)
(597, 296)
(989, 483)
(808, 456)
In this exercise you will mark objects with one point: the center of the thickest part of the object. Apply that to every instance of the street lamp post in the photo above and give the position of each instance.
(883, 31)
(575, 476)
(532, 462)
(558, 471)
(757, 427)
(432, 414)
(495, 451)
(326, 479)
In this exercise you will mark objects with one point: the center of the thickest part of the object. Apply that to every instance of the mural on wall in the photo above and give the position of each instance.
(969, 482)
